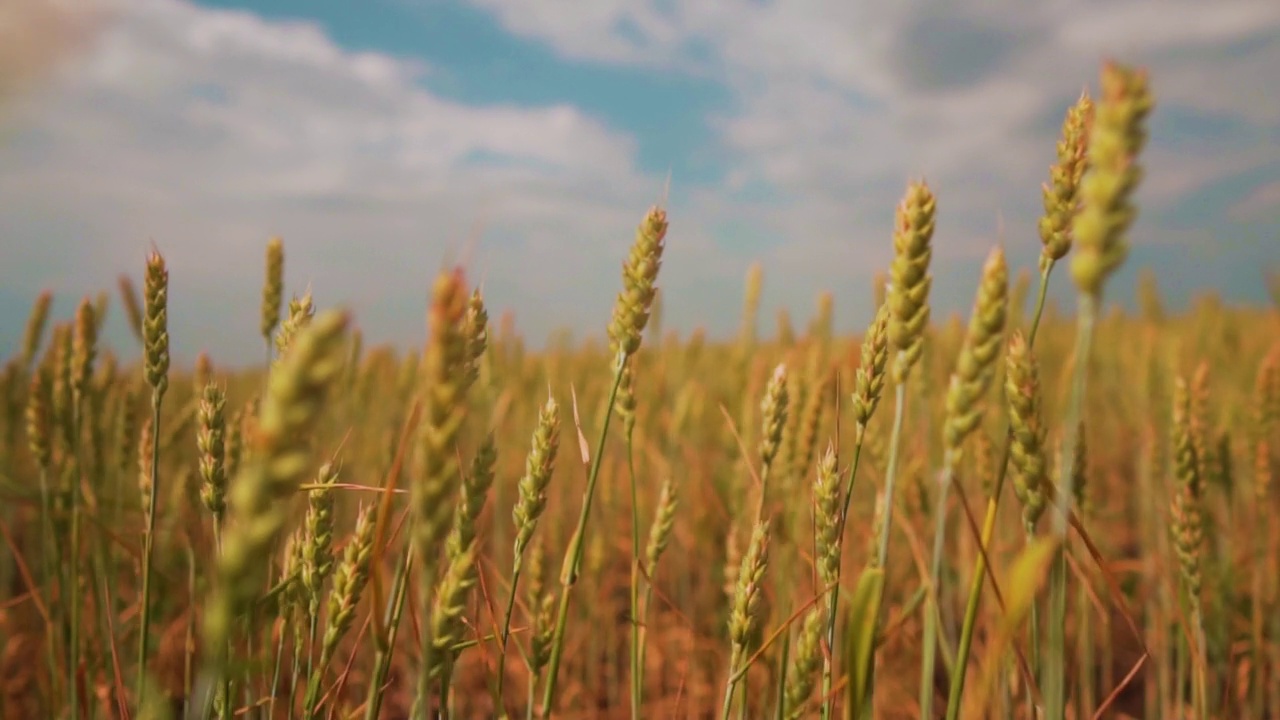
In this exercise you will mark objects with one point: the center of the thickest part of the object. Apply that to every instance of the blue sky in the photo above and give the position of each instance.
(384, 138)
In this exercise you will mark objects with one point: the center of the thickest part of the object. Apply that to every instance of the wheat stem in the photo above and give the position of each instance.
(1054, 681)
(970, 623)
(387, 644)
(156, 369)
(636, 671)
(833, 602)
(573, 557)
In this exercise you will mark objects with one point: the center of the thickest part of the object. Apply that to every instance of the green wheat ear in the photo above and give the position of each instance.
(1061, 194)
(155, 326)
(257, 500)
(805, 666)
(211, 442)
(639, 275)
(1117, 137)
(444, 370)
(909, 294)
(1026, 430)
(37, 322)
(976, 365)
(869, 381)
(272, 288)
(539, 467)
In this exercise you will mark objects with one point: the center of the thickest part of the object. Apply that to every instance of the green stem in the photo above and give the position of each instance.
(387, 644)
(446, 673)
(311, 643)
(1055, 667)
(727, 707)
(886, 525)
(101, 579)
(573, 558)
(228, 713)
(891, 474)
(988, 531)
(278, 665)
(188, 666)
(516, 566)
(1200, 667)
(1085, 646)
(532, 700)
(1033, 631)
(780, 707)
(648, 594)
(1257, 685)
(644, 617)
(49, 556)
(295, 668)
(833, 601)
(312, 698)
(148, 545)
(637, 672)
(73, 598)
(1033, 623)
(930, 648)
(1183, 673)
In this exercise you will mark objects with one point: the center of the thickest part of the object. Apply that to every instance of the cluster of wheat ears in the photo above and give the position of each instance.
(352, 533)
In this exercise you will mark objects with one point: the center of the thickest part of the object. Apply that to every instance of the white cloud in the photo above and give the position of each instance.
(206, 131)
(840, 101)
(837, 105)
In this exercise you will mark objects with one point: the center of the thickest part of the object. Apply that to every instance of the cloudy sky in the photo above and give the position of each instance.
(384, 138)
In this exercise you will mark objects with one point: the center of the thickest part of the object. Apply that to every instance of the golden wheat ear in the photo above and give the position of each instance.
(1117, 136)
(910, 281)
(257, 500)
(976, 364)
(1026, 430)
(1061, 194)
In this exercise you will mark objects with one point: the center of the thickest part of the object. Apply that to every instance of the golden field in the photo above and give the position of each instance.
(790, 524)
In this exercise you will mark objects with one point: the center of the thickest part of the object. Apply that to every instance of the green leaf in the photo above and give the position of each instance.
(1024, 579)
(859, 639)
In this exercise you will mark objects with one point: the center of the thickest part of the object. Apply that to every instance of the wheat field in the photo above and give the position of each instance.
(1029, 512)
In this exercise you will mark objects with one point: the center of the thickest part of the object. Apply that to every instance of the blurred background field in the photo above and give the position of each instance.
(305, 485)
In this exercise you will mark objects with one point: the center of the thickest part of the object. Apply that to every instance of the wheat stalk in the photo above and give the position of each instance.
(974, 370)
(257, 515)
(630, 315)
(1117, 136)
(908, 302)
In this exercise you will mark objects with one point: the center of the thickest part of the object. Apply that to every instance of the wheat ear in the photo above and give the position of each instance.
(461, 548)
(33, 333)
(1188, 523)
(444, 368)
(272, 292)
(908, 302)
(969, 382)
(868, 387)
(256, 502)
(745, 613)
(626, 329)
(348, 584)
(155, 335)
(211, 443)
(1116, 138)
(1061, 204)
(805, 665)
